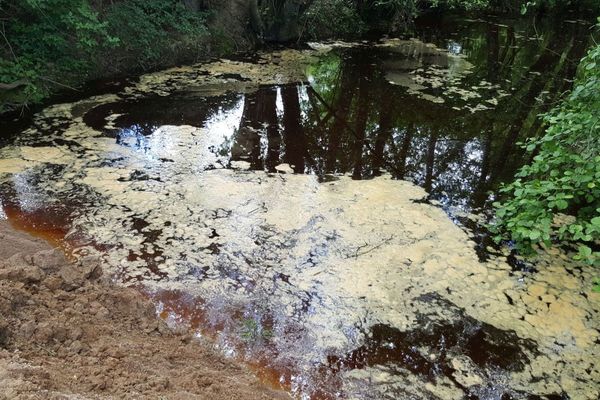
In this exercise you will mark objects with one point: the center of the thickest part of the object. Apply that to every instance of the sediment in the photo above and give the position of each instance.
(66, 332)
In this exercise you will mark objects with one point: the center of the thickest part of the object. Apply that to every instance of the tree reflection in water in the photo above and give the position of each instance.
(349, 118)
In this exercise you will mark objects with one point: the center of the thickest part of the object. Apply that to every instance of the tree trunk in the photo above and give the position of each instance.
(295, 142)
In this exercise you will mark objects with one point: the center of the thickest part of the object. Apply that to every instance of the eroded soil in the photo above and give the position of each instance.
(65, 333)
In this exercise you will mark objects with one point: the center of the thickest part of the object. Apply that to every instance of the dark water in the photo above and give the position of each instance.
(447, 117)
(350, 119)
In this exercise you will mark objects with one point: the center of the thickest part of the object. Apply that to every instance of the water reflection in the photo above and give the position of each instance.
(319, 281)
(358, 122)
(446, 115)
(2, 212)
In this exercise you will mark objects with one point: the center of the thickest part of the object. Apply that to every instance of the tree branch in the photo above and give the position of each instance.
(14, 85)
(3, 33)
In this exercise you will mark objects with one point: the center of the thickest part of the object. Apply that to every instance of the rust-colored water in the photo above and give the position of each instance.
(51, 227)
(190, 311)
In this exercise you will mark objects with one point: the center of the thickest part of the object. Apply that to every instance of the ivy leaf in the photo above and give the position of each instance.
(561, 204)
(534, 235)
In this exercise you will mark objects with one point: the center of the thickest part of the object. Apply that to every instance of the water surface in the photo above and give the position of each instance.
(278, 206)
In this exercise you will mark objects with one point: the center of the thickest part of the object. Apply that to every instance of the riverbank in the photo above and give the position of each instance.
(66, 332)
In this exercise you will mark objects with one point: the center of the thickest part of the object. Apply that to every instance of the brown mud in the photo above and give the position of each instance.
(67, 333)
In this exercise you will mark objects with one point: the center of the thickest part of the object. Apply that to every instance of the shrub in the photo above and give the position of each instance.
(46, 44)
(327, 19)
(557, 196)
(151, 31)
(45, 39)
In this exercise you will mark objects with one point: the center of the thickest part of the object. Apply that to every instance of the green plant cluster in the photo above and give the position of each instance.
(514, 6)
(582, 7)
(45, 39)
(327, 19)
(153, 30)
(332, 19)
(557, 196)
(533, 5)
(50, 43)
(468, 5)
(390, 15)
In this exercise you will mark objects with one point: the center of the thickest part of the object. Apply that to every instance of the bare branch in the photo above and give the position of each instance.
(3, 33)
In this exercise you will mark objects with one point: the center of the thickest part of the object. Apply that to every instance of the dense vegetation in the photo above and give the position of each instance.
(47, 44)
(557, 196)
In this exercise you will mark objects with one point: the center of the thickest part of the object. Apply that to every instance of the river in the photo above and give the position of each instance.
(310, 211)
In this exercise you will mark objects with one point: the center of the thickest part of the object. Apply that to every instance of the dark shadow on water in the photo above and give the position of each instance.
(147, 114)
(443, 333)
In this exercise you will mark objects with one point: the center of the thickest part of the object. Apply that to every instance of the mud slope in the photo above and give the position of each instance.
(66, 333)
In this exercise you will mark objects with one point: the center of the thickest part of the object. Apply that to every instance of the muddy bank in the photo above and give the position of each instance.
(66, 333)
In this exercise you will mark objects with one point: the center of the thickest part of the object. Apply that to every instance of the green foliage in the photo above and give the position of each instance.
(327, 19)
(49, 43)
(536, 5)
(557, 196)
(515, 6)
(48, 38)
(152, 30)
(390, 15)
(468, 5)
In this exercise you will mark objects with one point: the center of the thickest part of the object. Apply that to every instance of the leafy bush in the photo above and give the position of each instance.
(152, 30)
(43, 39)
(462, 4)
(515, 6)
(390, 15)
(525, 6)
(327, 19)
(557, 196)
(50, 43)
(541, 6)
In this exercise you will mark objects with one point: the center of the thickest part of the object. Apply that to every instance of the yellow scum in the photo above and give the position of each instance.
(366, 248)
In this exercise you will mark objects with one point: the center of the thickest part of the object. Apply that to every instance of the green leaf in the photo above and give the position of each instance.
(534, 235)
(561, 204)
(585, 251)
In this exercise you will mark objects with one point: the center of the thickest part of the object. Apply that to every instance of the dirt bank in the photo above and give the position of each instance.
(66, 333)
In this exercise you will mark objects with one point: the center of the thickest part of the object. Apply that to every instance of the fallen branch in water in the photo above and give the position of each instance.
(58, 83)
(25, 82)
(359, 251)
